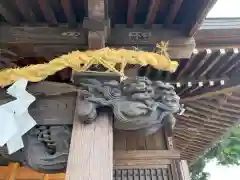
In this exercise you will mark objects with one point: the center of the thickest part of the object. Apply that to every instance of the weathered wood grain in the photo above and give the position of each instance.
(91, 150)
(43, 35)
(145, 154)
(132, 5)
(183, 170)
(69, 13)
(141, 164)
(179, 45)
(26, 10)
(173, 11)
(8, 15)
(47, 12)
(152, 11)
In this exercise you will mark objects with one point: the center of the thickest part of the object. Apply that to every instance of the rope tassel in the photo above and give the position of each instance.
(81, 61)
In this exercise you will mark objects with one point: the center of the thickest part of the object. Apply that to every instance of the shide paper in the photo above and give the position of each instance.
(15, 120)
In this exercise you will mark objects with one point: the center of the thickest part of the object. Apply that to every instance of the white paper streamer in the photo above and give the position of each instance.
(15, 120)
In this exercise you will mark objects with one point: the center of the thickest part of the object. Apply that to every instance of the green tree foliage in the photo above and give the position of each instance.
(226, 152)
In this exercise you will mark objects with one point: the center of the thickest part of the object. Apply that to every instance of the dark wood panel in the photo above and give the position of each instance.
(47, 12)
(173, 11)
(26, 10)
(152, 11)
(179, 45)
(132, 5)
(42, 35)
(8, 15)
(69, 12)
(133, 140)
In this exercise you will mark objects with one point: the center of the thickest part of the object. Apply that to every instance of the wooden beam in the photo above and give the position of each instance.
(69, 12)
(179, 45)
(143, 158)
(231, 85)
(43, 35)
(219, 33)
(170, 146)
(174, 8)
(96, 9)
(225, 61)
(8, 15)
(47, 12)
(94, 141)
(141, 164)
(26, 10)
(214, 60)
(203, 11)
(206, 56)
(91, 150)
(152, 11)
(146, 154)
(183, 71)
(132, 5)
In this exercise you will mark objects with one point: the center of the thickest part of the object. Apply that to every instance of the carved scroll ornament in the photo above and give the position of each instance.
(137, 104)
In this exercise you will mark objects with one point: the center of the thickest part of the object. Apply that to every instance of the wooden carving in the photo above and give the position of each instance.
(137, 104)
(46, 149)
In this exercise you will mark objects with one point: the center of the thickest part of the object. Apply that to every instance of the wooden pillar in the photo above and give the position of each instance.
(91, 150)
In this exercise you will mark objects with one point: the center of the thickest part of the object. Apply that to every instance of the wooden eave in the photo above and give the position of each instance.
(129, 12)
(218, 33)
(49, 28)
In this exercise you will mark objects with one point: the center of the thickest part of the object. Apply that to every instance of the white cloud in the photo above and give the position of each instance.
(225, 8)
(222, 172)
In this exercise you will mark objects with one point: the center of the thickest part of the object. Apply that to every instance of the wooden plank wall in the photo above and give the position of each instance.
(135, 141)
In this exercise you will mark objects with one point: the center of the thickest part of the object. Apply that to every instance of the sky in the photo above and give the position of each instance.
(225, 8)
(222, 172)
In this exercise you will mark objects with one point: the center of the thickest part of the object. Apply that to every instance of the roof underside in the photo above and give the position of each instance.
(204, 122)
(181, 13)
(207, 116)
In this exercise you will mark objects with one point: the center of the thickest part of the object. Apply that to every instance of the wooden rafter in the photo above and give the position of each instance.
(152, 11)
(205, 8)
(221, 66)
(173, 11)
(47, 12)
(216, 57)
(26, 10)
(8, 15)
(132, 5)
(187, 66)
(206, 56)
(68, 10)
(232, 85)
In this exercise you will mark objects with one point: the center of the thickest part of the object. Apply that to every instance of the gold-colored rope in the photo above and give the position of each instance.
(81, 61)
